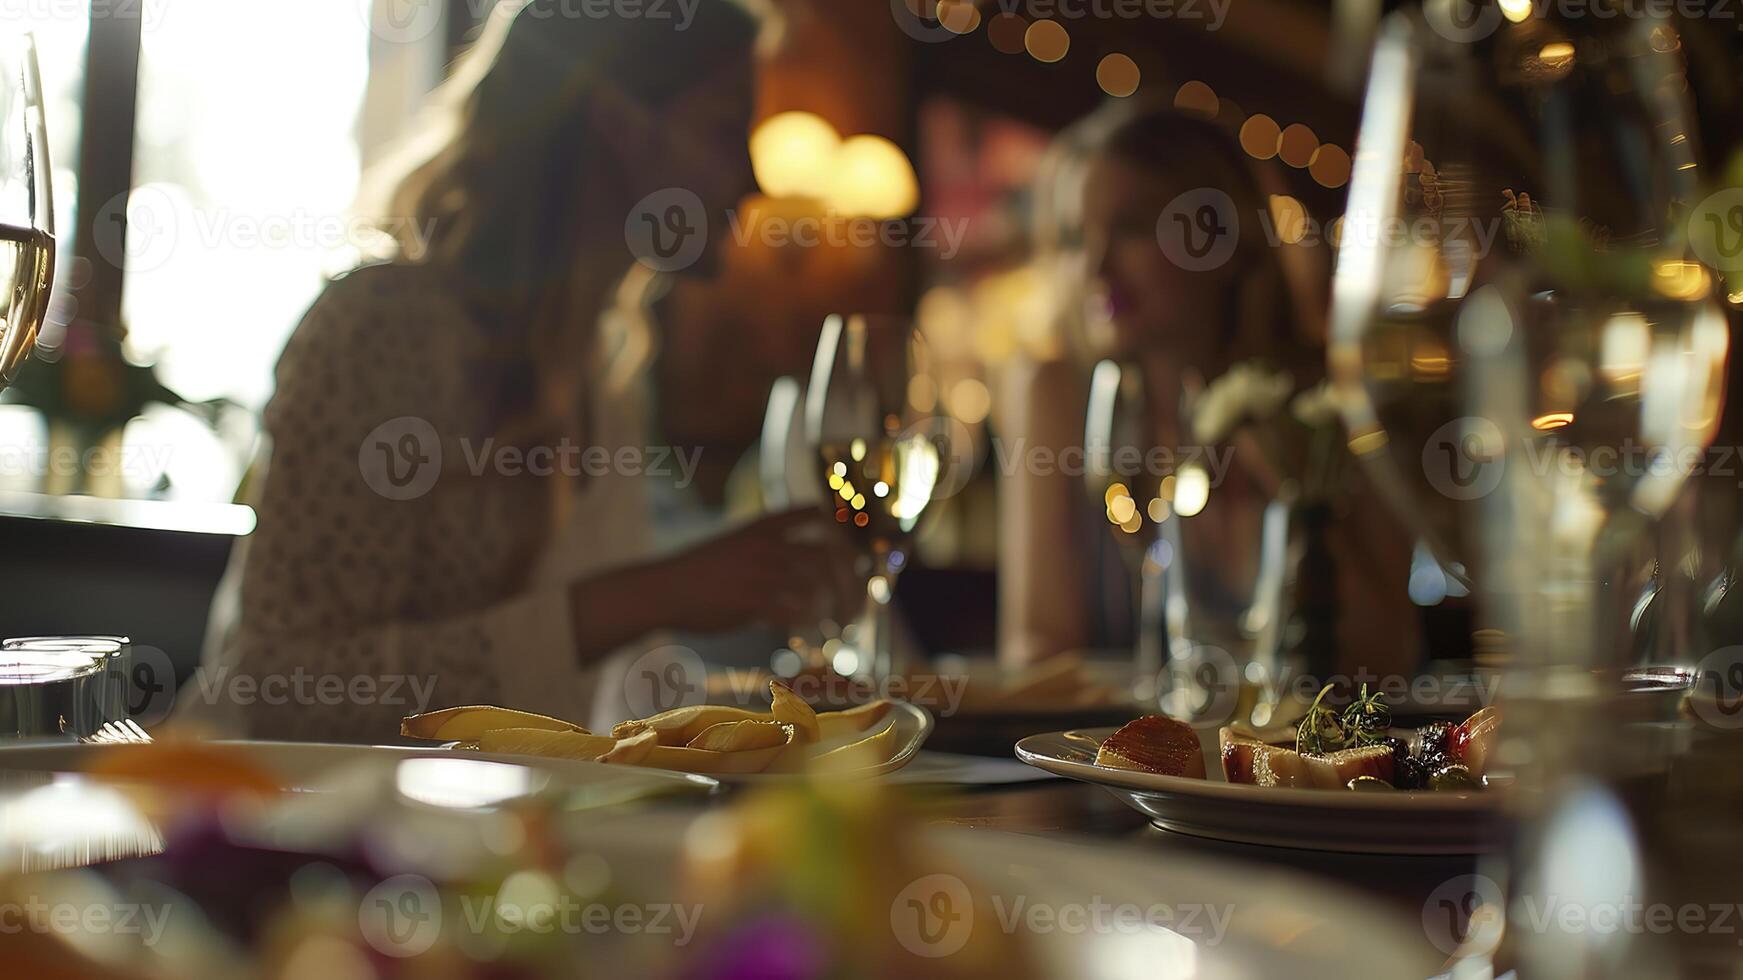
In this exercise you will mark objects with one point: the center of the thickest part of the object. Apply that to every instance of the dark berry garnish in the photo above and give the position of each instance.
(1410, 774)
(1400, 749)
(1432, 738)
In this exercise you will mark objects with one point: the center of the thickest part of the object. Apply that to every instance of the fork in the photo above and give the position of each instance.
(123, 732)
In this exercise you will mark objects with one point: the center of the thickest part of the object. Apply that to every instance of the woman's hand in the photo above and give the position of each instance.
(783, 571)
(778, 571)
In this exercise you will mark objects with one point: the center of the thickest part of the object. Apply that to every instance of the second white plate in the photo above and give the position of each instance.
(1319, 820)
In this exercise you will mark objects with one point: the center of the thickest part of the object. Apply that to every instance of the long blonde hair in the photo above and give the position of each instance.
(489, 189)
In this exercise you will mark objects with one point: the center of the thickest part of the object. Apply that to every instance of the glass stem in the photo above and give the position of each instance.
(1147, 625)
(876, 642)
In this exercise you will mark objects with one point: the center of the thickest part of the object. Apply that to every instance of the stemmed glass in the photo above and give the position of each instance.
(26, 205)
(1530, 361)
(1208, 615)
(1119, 435)
(44, 693)
(1527, 355)
(879, 460)
(785, 463)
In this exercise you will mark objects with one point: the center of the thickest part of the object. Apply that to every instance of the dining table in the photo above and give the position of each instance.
(1401, 883)
(1063, 809)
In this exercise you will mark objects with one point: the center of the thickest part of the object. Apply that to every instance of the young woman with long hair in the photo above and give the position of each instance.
(454, 511)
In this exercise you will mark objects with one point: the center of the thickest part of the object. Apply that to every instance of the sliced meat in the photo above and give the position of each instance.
(1154, 744)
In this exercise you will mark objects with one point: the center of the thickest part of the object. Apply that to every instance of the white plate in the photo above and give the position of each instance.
(51, 818)
(1082, 910)
(1318, 820)
(314, 767)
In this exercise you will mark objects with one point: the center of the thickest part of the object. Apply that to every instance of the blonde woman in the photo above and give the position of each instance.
(453, 511)
(1183, 327)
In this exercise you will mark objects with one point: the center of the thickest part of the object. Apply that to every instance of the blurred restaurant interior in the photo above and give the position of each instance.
(260, 150)
(1498, 230)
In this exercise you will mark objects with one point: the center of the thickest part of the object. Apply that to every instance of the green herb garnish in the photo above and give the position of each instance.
(1367, 720)
(1320, 731)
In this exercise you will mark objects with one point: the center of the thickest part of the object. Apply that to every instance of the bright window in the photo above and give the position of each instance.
(245, 172)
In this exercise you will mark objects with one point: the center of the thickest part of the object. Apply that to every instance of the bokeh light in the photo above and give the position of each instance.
(1289, 218)
(1198, 98)
(872, 177)
(970, 400)
(1259, 136)
(1297, 145)
(958, 16)
(1330, 166)
(1191, 491)
(1117, 75)
(793, 153)
(799, 154)
(1046, 40)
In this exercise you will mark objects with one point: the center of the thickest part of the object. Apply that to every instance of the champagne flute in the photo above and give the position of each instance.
(27, 246)
(880, 460)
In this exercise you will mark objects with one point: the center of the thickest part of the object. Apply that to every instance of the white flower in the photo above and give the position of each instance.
(1315, 407)
(1250, 391)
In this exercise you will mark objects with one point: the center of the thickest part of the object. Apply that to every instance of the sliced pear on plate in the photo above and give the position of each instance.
(790, 709)
(634, 750)
(550, 745)
(679, 726)
(711, 763)
(873, 750)
(838, 724)
(467, 722)
(743, 736)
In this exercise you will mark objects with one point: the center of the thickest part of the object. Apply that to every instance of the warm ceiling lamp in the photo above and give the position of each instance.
(871, 177)
(792, 154)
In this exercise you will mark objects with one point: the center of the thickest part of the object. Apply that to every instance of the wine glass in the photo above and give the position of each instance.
(1119, 435)
(1207, 555)
(1522, 342)
(1530, 361)
(785, 464)
(786, 482)
(27, 245)
(880, 460)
